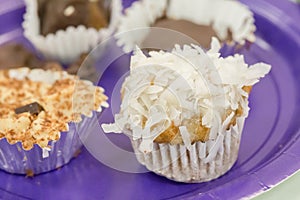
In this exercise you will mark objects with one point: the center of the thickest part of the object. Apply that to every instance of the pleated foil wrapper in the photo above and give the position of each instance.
(204, 161)
(14, 159)
(67, 45)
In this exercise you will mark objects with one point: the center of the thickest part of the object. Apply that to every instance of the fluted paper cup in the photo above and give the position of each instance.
(205, 161)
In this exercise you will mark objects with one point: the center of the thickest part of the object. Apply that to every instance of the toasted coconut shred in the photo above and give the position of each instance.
(184, 96)
(64, 98)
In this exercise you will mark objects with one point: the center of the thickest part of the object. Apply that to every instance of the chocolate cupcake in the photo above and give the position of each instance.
(44, 115)
(57, 15)
(63, 30)
(15, 55)
(184, 111)
(230, 21)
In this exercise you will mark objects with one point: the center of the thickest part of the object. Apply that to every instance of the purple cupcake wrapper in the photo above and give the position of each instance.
(14, 159)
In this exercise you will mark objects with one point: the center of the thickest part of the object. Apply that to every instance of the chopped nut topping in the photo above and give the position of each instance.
(64, 98)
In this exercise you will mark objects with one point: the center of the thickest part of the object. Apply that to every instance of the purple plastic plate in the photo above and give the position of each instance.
(270, 147)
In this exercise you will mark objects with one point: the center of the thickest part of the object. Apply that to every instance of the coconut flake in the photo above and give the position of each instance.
(185, 137)
(214, 149)
(111, 128)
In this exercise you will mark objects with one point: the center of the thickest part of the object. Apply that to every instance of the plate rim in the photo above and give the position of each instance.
(294, 167)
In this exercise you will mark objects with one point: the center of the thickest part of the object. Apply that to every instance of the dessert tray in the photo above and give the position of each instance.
(270, 147)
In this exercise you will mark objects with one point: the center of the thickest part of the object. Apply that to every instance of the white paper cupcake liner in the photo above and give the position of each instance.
(221, 14)
(66, 45)
(203, 162)
(14, 159)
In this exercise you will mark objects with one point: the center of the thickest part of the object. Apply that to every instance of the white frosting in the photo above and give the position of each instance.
(175, 87)
(223, 15)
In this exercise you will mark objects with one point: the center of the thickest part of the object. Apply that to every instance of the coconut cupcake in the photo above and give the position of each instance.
(230, 21)
(63, 30)
(184, 111)
(44, 114)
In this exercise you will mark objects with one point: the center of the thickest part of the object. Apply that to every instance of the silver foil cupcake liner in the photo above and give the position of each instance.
(205, 161)
(14, 159)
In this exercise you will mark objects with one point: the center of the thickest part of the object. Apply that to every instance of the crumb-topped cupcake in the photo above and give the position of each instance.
(230, 21)
(43, 116)
(64, 29)
(184, 110)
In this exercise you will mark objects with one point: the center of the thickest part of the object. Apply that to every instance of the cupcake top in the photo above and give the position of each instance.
(15, 55)
(230, 21)
(37, 105)
(58, 15)
(184, 96)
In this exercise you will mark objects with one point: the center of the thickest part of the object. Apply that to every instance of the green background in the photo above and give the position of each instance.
(287, 190)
